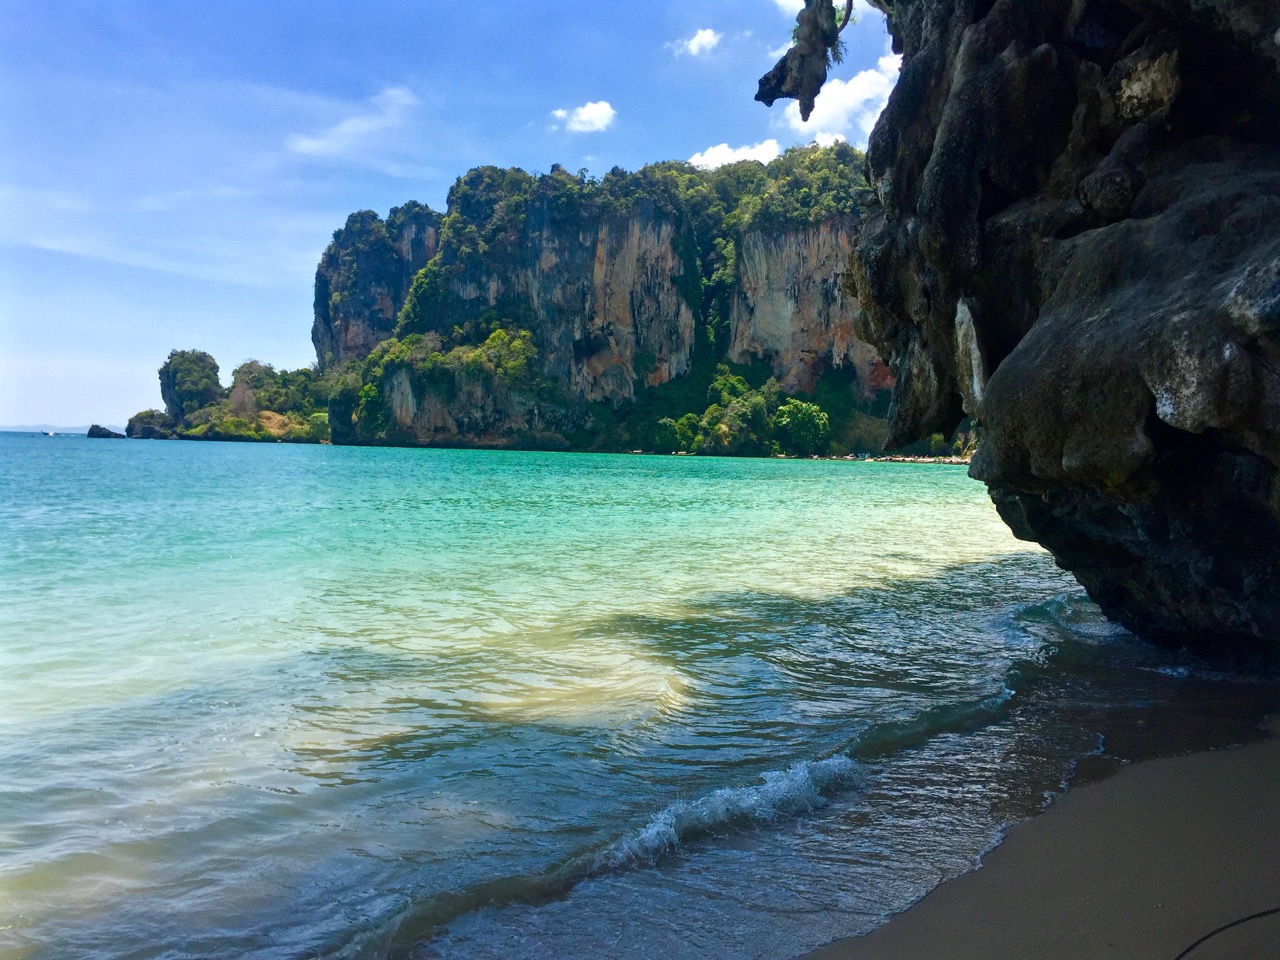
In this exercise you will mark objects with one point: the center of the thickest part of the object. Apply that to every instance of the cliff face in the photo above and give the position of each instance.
(606, 304)
(790, 310)
(597, 296)
(364, 276)
(476, 411)
(619, 288)
(603, 316)
(1078, 241)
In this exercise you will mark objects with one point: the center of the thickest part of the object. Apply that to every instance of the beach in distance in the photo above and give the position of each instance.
(284, 701)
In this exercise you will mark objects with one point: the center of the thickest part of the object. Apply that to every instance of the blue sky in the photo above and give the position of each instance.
(171, 171)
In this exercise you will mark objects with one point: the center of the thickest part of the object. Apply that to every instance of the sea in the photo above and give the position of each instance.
(280, 701)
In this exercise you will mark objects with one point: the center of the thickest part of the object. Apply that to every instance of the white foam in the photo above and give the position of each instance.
(799, 789)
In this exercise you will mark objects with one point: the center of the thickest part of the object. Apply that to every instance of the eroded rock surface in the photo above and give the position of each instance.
(802, 71)
(638, 281)
(1078, 242)
(790, 310)
(598, 294)
(605, 300)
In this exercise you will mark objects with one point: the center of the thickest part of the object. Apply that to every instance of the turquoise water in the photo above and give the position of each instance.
(281, 701)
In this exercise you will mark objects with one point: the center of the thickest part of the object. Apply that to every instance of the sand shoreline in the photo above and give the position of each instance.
(1138, 866)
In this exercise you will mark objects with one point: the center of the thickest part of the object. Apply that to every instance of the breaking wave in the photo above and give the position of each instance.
(799, 789)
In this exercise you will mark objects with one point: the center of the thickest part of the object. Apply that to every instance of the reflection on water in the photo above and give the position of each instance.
(288, 702)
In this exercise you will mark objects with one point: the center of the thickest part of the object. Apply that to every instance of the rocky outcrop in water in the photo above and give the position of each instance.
(1078, 242)
(151, 425)
(99, 432)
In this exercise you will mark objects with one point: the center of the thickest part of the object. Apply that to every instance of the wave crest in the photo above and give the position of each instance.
(799, 789)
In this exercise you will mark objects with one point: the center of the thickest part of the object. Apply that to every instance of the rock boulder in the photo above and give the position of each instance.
(1078, 242)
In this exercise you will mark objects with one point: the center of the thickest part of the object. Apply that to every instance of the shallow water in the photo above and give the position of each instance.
(279, 701)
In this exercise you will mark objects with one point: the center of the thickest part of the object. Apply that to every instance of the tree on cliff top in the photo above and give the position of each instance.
(188, 382)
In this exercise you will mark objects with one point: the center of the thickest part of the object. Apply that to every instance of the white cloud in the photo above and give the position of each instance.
(849, 108)
(793, 7)
(721, 154)
(390, 108)
(704, 41)
(591, 117)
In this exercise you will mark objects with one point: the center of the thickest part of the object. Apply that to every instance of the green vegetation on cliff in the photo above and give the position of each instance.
(188, 382)
(266, 404)
(741, 411)
(365, 273)
(492, 211)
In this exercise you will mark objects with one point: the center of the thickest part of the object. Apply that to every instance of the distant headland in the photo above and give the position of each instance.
(674, 309)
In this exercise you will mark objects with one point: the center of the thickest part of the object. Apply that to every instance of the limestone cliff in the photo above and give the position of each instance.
(623, 286)
(598, 294)
(790, 309)
(364, 276)
(1078, 241)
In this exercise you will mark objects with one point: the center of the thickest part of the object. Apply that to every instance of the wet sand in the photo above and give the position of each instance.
(1137, 867)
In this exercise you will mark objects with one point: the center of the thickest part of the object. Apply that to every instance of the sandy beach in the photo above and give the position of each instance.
(1138, 867)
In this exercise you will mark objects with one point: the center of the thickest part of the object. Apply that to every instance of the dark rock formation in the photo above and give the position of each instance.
(1079, 243)
(802, 71)
(97, 432)
(151, 425)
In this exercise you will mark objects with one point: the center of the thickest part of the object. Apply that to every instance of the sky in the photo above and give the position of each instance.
(171, 171)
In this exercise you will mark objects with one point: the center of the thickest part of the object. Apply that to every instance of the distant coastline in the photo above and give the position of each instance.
(907, 458)
(861, 457)
(78, 431)
(564, 312)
